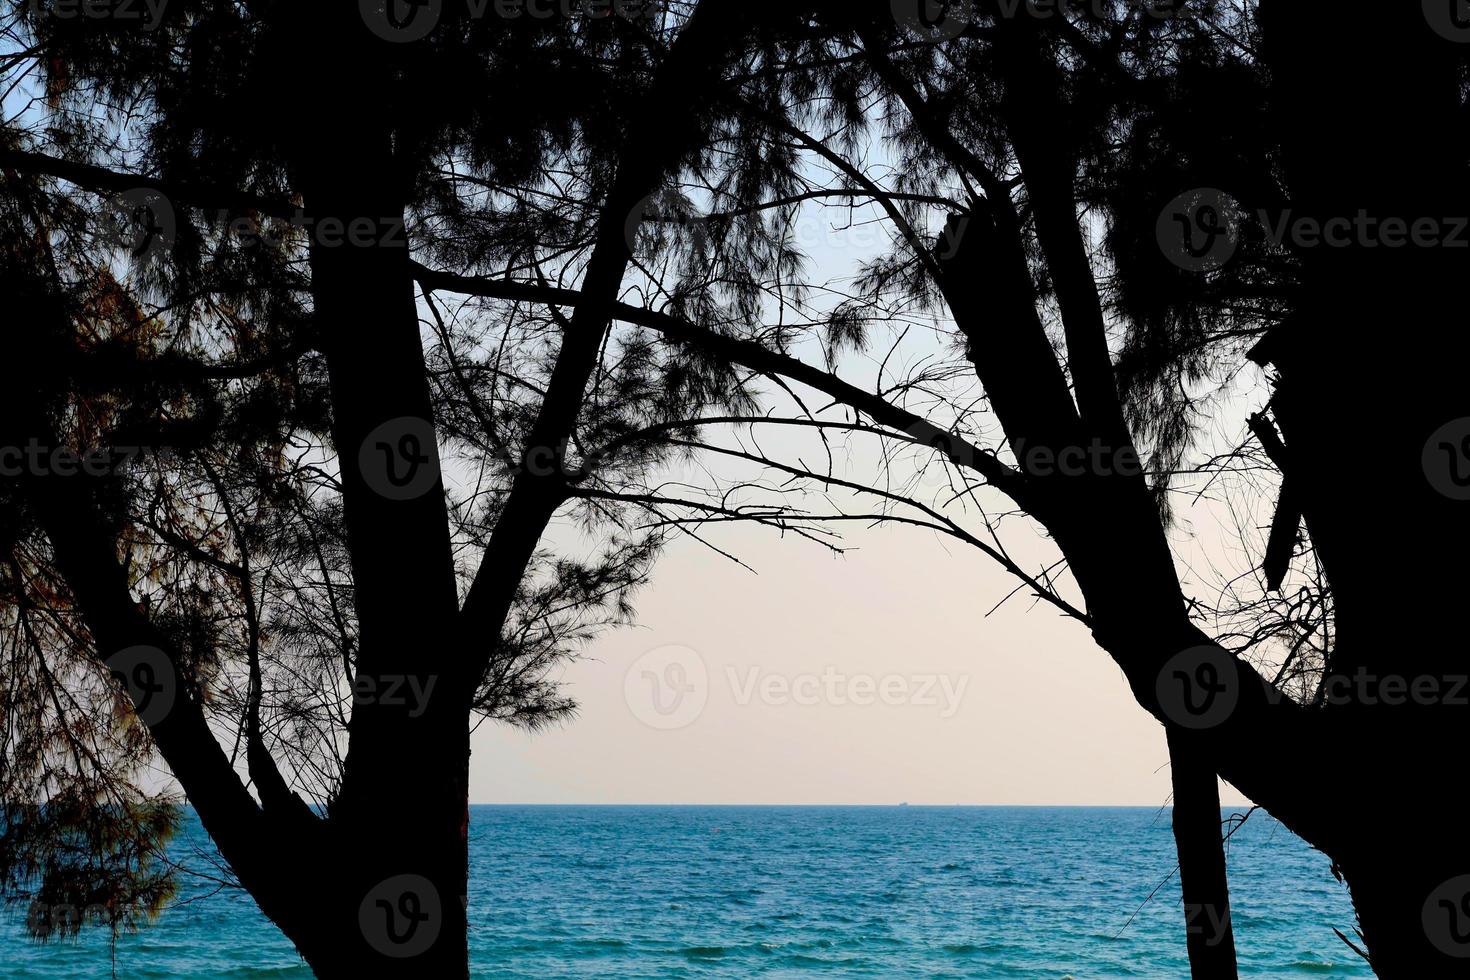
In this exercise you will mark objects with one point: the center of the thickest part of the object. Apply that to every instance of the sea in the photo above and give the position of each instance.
(784, 892)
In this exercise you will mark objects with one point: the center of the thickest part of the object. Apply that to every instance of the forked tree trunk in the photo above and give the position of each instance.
(1032, 99)
(396, 867)
(399, 828)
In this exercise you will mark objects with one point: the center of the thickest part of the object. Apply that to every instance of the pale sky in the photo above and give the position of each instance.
(1043, 716)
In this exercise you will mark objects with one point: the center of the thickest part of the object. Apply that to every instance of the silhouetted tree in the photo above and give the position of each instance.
(337, 566)
(1111, 187)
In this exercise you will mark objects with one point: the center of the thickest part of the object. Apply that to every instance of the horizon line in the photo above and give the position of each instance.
(899, 805)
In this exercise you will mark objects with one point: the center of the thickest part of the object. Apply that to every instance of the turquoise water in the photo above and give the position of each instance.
(795, 892)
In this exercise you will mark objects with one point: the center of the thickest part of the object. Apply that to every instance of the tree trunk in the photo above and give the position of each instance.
(1202, 874)
(396, 868)
(1414, 917)
(1372, 398)
(399, 826)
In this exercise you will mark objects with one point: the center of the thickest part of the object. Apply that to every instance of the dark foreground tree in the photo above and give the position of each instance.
(1136, 204)
(335, 568)
(1304, 115)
